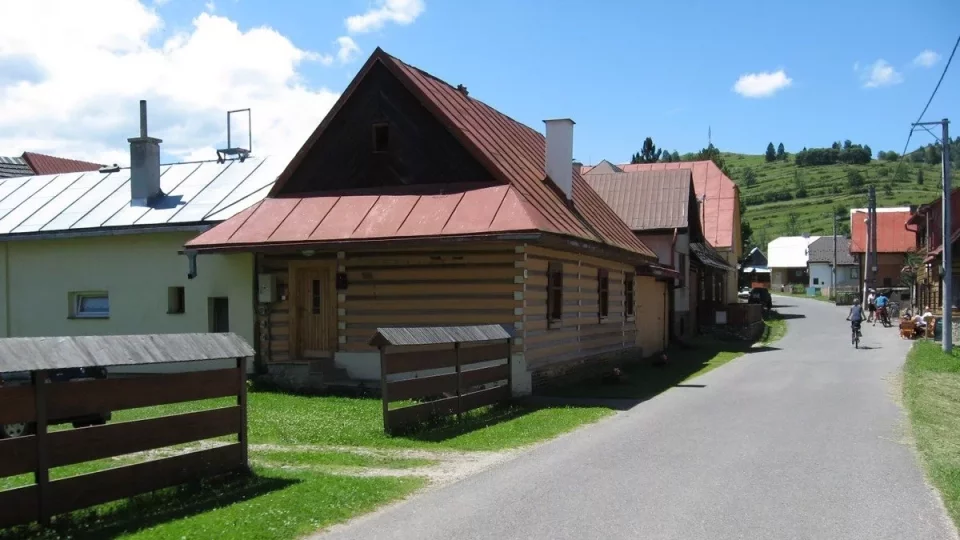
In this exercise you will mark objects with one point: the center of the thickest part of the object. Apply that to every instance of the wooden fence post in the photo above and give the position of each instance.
(242, 403)
(456, 355)
(510, 365)
(383, 389)
(41, 474)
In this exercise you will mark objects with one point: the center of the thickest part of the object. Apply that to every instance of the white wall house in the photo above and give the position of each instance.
(100, 253)
(787, 259)
(820, 264)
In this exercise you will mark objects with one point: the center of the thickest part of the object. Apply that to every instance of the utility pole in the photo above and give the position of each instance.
(833, 274)
(947, 235)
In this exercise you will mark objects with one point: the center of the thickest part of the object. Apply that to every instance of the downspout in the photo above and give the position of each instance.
(6, 288)
(673, 249)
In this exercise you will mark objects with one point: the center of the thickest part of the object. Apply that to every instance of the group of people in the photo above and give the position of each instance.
(877, 310)
(876, 306)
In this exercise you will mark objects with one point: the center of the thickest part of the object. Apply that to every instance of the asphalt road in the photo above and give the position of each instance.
(806, 441)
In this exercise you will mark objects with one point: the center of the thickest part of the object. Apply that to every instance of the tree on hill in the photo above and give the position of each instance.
(649, 152)
(932, 155)
(771, 154)
(748, 177)
(793, 224)
(855, 180)
(675, 156)
(781, 153)
(666, 157)
(919, 177)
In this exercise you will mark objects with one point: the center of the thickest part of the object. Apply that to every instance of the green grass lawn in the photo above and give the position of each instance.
(931, 393)
(332, 459)
(270, 504)
(775, 327)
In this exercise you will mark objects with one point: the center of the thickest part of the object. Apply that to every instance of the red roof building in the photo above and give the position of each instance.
(413, 203)
(43, 164)
(893, 233)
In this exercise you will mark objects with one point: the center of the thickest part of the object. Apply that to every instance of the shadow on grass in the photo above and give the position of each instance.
(450, 427)
(122, 517)
(787, 316)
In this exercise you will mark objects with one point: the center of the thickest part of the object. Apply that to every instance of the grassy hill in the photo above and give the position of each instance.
(827, 189)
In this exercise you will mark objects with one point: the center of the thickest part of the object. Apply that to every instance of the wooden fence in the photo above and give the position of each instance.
(38, 453)
(460, 387)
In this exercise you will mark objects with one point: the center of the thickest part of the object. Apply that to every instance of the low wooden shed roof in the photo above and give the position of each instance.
(434, 335)
(33, 353)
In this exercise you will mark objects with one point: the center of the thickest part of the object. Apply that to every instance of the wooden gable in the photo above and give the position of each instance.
(382, 136)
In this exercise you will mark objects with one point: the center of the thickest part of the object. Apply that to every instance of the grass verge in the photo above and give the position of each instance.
(270, 504)
(932, 396)
(330, 459)
(775, 327)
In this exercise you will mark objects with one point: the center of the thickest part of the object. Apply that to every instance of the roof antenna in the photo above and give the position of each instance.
(463, 90)
(230, 150)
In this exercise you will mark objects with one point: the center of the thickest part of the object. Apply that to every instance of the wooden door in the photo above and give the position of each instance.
(315, 300)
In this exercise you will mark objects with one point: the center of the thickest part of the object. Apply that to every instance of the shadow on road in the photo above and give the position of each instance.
(786, 316)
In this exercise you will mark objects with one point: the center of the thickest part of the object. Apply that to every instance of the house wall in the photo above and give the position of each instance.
(665, 248)
(474, 284)
(135, 270)
(821, 275)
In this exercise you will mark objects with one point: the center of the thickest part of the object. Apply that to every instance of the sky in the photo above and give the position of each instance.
(71, 73)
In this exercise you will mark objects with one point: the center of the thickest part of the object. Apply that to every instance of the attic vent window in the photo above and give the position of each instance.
(381, 137)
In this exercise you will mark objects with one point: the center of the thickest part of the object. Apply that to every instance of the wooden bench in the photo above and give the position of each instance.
(908, 329)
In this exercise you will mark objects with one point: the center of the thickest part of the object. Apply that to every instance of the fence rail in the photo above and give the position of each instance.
(42, 401)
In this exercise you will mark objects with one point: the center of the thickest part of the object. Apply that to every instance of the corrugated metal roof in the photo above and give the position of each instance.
(821, 250)
(424, 211)
(709, 256)
(789, 251)
(646, 200)
(199, 192)
(44, 164)
(432, 335)
(510, 150)
(892, 233)
(11, 167)
(718, 210)
(25, 354)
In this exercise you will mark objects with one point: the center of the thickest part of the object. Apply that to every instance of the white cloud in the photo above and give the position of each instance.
(211, 7)
(926, 59)
(348, 49)
(761, 85)
(80, 69)
(396, 11)
(880, 74)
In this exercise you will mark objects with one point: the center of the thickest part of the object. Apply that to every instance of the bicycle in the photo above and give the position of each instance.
(893, 310)
(855, 325)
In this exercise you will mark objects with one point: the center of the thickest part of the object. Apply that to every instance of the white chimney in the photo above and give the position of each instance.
(560, 154)
(144, 164)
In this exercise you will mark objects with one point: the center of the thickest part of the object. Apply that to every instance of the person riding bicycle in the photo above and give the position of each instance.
(882, 302)
(856, 317)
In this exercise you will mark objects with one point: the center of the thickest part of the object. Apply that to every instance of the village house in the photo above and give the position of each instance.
(754, 269)
(660, 207)
(719, 199)
(820, 265)
(895, 238)
(927, 221)
(97, 252)
(788, 257)
(34, 164)
(414, 204)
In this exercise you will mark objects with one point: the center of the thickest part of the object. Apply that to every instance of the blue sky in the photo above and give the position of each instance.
(622, 70)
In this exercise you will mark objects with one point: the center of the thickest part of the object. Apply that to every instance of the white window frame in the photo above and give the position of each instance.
(77, 311)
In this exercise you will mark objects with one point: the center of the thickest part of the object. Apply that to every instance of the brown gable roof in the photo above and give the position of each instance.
(43, 164)
(646, 200)
(511, 151)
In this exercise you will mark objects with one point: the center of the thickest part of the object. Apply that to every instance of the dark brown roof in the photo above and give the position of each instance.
(821, 251)
(43, 164)
(511, 151)
(646, 200)
(704, 253)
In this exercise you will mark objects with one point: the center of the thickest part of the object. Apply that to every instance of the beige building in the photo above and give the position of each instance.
(100, 253)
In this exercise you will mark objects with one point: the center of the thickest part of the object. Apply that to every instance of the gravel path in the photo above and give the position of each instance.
(805, 441)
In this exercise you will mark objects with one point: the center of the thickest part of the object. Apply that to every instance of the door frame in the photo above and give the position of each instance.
(294, 295)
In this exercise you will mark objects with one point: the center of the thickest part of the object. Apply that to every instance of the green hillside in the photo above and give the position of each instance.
(785, 199)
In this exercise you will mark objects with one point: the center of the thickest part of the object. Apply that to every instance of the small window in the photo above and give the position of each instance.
(854, 273)
(315, 298)
(381, 137)
(603, 291)
(93, 305)
(816, 281)
(175, 300)
(628, 298)
(555, 291)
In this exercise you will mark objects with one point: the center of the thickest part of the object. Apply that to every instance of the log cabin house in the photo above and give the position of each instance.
(926, 222)
(414, 204)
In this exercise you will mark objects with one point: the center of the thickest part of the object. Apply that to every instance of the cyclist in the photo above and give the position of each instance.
(881, 301)
(856, 317)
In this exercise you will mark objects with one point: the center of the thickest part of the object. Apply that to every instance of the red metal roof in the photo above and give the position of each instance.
(892, 233)
(718, 212)
(44, 164)
(359, 217)
(511, 151)
(646, 200)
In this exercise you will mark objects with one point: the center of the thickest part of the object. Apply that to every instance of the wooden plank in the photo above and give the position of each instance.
(413, 259)
(535, 295)
(540, 265)
(534, 251)
(458, 290)
(18, 506)
(480, 398)
(85, 397)
(422, 387)
(427, 304)
(475, 377)
(405, 362)
(96, 442)
(427, 319)
(91, 489)
(41, 475)
(17, 404)
(242, 413)
(468, 273)
(17, 456)
(415, 414)
(533, 280)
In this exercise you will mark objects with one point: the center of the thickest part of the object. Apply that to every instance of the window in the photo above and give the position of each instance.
(682, 268)
(91, 305)
(175, 300)
(628, 297)
(854, 273)
(555, 291)
(816, 281)
(315, 298)
(603, 291)
(218, 311)
(381, 137)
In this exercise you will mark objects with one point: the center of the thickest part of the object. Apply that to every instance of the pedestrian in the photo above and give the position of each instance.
(871, 306)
